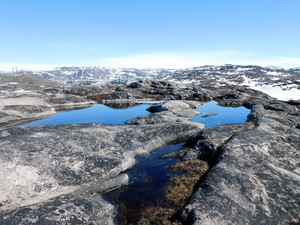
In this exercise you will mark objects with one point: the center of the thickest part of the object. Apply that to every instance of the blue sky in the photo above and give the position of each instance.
(149, 33)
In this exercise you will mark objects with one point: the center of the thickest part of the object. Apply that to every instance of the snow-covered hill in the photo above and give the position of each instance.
(65, 74)
(277, 82)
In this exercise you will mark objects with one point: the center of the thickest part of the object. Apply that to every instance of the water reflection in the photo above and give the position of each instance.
(121, 105)
(117, 113)
(214, 115)
(98, 113)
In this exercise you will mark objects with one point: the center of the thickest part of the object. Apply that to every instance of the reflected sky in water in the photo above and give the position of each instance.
(103, 114)
(225, 115)
(95, 114)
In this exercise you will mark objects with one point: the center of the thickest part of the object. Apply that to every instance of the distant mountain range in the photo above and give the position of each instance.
(277, 82)
(65, 74)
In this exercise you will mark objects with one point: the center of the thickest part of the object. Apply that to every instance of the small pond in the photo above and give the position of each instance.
(99, 113)
(224, 115)
(118, 114)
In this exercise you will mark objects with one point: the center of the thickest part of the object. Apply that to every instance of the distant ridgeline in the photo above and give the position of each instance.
(274, 81)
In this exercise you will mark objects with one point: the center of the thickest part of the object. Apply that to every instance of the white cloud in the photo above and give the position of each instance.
(8, 67)
(170, 60)
(176, 60)
(193, 59)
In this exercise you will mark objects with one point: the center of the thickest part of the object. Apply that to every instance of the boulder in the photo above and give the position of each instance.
(160, 117)
(179, 108)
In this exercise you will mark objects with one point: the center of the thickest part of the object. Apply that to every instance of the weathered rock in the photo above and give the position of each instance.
(30, 96)
(179, 108)
(85, 90)
(210, 114)
(160, 117)
(168, 111)
(76, 208)
(25, 82)
(294, 102)
(38, 164)
(256, 178)
(31, 105)
(61, 101)
(206, 145)
(23, 106)
(117, 95)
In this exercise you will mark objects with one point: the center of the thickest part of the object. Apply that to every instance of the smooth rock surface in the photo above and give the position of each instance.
(160, 117)
(256, 179)
(24, 97)
(179, 108)
(42, 166)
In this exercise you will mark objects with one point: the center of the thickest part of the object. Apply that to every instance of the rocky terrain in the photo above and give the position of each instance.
(254, 176)
(65, 74)
(57, 174)
(25, 97)
(277, 82)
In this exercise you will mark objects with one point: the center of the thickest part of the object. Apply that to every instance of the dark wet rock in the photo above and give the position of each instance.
(210, 114)
(46, 162)
(117, 95)
(84, 90)
(255, 179)
(279, 106)
(121, 105)
(135, 85)
(160, 90)
(206, 144)
(294, 102)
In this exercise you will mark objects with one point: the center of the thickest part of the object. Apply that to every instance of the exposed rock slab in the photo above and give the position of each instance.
(257, 177)
(179, 108)
(168, 111)
(160, 117)
(43, 163)
(206, 145)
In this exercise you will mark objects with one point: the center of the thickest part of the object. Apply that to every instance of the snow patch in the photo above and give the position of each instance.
(279, 92)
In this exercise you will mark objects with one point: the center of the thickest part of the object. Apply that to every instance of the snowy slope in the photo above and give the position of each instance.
(101, 73)
(277, 82)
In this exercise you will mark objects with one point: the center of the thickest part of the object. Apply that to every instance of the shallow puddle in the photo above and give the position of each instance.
(149, 178)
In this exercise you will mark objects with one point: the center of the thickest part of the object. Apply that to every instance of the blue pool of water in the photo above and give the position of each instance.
(102, 114)
(225, 115)
(95, 114)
